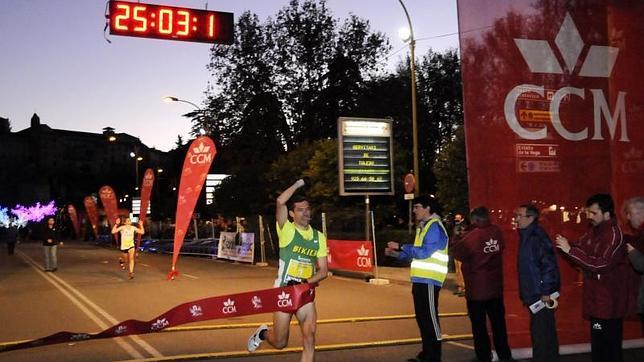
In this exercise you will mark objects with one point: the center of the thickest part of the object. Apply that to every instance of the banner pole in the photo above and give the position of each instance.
(376, 280)
(324, 224)
(262, 241)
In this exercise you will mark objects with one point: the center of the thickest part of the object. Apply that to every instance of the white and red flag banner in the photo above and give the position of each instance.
(196, 165)
(285, 299)
(73, 216)
(108, 199)
(350, 255)
(146, 190)
(92, 215)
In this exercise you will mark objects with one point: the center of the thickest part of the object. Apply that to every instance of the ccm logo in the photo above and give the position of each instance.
(200, 158)
(364, 261)
(600, 110)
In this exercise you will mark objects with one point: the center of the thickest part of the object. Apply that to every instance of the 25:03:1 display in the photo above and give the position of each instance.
(167, 22)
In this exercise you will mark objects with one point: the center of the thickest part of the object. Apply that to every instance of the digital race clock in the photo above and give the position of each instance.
(170, 22)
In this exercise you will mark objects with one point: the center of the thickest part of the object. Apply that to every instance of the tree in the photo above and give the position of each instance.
(450, 169)
(179, 142)
(5, 126)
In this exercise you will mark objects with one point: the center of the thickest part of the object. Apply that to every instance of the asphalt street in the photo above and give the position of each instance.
(89, 293)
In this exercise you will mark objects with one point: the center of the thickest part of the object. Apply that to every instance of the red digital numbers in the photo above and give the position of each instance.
(169, 22)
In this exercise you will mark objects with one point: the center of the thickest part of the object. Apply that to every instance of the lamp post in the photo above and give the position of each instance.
(137, 159)
(169, 99)
(414, 122)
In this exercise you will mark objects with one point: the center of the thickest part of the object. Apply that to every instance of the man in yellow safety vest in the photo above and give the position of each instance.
(428, 270)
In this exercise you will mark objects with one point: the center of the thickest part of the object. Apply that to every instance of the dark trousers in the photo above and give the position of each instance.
(426, 308)
(543, 330)
(494, 309)
(606, 340)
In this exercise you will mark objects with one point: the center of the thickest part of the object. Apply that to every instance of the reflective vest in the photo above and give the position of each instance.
(435, 266)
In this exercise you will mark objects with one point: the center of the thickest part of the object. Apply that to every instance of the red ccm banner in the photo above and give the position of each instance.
(146, 190)
(552, 102)
(108, 199)
(200, 156)
(350, 255)
(285, 299)
(92, 215)
(73, 216)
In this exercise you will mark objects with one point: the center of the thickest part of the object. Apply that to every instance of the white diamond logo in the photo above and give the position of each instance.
(363, 251)
(569, 42)
(540, 57)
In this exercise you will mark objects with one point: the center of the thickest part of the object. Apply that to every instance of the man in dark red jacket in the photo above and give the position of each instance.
(601, 254)
(481, 252)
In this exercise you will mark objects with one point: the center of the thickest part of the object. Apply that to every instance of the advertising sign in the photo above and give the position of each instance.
(236, 246)
(365, 159)
(552, 103)
(73, 216)
(201, 153)
(92, 214)
(108, 199)
(350, 255)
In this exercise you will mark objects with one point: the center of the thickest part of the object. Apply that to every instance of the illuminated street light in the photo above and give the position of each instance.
(412, 43)
(137, 159)
(169, 99)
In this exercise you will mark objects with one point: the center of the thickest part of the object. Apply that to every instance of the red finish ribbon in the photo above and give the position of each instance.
(286, 299)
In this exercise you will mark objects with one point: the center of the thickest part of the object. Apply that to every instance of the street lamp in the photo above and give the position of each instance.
(169, 99)
(409, 36)
(137, 159)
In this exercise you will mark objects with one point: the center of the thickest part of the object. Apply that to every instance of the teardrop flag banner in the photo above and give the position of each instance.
(285, 299)
(200, 156)
(73, 216)
(92, 215)
(108, 199)
(146, 190)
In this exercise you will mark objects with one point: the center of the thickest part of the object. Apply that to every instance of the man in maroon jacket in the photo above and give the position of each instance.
(481, 252)
(601, 254)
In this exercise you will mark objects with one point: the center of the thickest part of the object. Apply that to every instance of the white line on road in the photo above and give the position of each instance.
(190, 276)
(55, 280)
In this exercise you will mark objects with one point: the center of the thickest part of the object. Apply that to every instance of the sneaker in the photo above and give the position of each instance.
(130, 275)
(254, 341)
(122, 264)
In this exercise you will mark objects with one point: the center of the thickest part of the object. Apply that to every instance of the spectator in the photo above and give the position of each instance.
(481, 253)
(635, 246)
(538, 279)
(601, 254)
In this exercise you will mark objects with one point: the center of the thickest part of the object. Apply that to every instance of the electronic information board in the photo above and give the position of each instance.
(365, 160)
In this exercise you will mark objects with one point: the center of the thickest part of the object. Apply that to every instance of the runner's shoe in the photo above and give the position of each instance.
(122, 264)
(254, 341)
(131, 275)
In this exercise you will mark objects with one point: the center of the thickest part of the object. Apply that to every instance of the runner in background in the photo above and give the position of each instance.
(303, 259)
(127, 242)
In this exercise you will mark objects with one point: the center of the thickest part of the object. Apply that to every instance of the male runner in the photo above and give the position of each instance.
(302, 260)
(127, 242)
